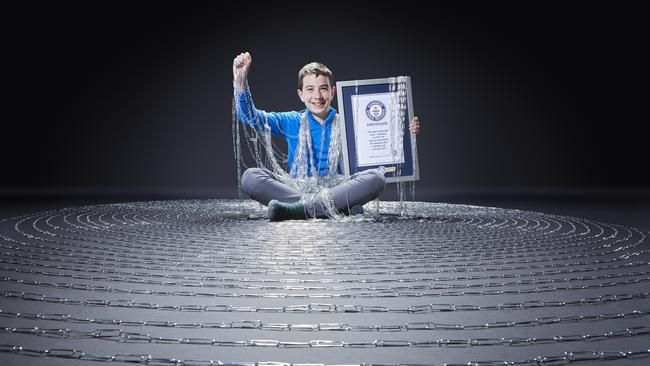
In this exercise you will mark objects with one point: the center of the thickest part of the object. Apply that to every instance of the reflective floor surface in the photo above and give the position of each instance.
(182, 282)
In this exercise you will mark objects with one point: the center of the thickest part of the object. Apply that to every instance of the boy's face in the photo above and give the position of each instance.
(317, 94)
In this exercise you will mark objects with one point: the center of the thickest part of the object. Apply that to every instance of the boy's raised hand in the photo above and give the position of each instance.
(240, 66)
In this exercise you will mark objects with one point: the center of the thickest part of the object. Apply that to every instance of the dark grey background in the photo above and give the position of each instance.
(538, 107)
(136, 99)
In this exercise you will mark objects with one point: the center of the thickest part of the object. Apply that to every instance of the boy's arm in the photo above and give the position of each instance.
(244, 106)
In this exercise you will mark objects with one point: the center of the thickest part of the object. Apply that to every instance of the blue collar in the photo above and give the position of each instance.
(328, 120)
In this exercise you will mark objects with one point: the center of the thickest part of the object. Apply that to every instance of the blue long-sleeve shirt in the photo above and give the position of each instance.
(287, 125)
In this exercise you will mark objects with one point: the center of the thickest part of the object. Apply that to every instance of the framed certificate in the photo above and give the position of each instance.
(370, 112)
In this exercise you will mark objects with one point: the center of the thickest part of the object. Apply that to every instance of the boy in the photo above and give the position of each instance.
(312, 137)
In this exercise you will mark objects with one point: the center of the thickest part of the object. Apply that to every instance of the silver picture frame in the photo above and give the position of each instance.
(407, 168)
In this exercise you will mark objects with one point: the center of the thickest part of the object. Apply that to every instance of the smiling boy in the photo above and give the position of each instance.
(312, 137)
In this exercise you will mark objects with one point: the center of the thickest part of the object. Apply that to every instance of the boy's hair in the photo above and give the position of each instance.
(313, 68)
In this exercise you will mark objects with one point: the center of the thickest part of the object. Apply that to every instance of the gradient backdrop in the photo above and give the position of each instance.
(109, 98)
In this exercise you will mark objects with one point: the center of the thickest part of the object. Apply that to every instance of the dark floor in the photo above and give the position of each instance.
(623, 209)
(196, 241)
(630, 207)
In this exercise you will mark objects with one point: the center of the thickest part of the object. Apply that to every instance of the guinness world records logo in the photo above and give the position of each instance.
(375, 110)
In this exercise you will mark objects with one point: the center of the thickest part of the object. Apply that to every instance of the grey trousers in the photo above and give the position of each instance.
(263, 185)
